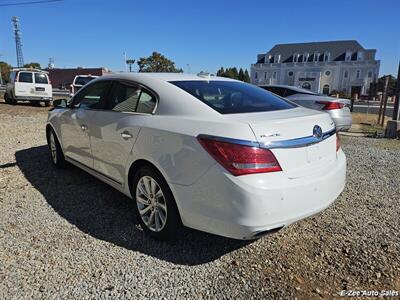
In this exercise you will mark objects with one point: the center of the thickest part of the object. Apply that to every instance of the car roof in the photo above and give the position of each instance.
(166, 76)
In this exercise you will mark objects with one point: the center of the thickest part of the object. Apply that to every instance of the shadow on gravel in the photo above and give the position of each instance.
(106, 214)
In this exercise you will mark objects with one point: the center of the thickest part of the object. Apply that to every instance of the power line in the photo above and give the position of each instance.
(30, 2)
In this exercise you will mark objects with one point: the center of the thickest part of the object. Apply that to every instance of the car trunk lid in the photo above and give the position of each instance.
(289, 135)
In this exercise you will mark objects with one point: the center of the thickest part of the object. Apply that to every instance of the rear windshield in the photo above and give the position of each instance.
(41, 78)
(83, 80)
(231, 97)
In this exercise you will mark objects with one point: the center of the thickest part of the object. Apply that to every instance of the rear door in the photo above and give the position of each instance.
(24, 85)
(42, 85)
(113, 131)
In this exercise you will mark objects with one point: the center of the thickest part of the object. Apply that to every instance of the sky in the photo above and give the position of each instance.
(198, 35)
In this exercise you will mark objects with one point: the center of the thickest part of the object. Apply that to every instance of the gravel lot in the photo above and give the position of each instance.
(64, 234)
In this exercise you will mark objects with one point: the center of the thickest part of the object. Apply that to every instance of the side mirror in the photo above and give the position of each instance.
(60, 103)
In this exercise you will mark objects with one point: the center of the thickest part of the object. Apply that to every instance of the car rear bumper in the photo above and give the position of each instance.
(33, 98)
(247, 207)
(342, 118)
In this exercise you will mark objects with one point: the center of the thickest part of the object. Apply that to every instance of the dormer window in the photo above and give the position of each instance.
(316, 56)
(277, 58)
(271, 59)
(296, 57)
(360, 55)
(348, 55)
(306, 56)
(327, 56)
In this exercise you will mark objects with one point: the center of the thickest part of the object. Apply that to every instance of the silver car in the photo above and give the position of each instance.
(338, 108)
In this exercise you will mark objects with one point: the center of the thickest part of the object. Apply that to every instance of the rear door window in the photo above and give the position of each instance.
(41, 78)
(124, 97)
(25, 77)
(232, 97)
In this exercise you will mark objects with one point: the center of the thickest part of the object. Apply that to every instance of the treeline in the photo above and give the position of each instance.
(234, 74)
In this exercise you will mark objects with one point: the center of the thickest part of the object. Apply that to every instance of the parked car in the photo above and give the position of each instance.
(337, 108)
(80, 81)
(211, 153)
(28, 85)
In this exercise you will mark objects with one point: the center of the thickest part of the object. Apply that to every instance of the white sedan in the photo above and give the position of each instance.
(209, 153)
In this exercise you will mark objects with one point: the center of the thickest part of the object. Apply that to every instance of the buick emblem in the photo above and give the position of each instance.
(317, 132)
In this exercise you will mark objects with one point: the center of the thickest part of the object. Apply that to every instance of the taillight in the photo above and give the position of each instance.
(337, 142)
(239, 159)
(329, 105)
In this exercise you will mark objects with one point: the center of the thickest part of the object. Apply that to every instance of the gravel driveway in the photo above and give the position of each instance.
(64, 234)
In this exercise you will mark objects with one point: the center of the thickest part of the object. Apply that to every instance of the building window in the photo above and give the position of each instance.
(326, 56)
(295, 57)
(370, 74)
(290, 73)
(358, 74)
(325, 89)
(274, 75)
(265, 75)
(255, 75)
(306, 85)
(348, 55)
(328, 73)
(346, 74)
(316, 56)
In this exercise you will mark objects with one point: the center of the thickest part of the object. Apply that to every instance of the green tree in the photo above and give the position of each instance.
(246, 76)
(130, 62)
(5, 71)
(241, 75)
(33, 65)
(221, 72)
(391, 86)
(157, 62)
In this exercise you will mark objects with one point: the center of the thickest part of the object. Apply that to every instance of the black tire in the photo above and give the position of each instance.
(13, 101)
(56, 153)
(47, 103)
(173, 222)
(6, 98)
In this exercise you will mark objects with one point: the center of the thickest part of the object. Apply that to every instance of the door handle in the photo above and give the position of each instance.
(84, 127)
(126, 135)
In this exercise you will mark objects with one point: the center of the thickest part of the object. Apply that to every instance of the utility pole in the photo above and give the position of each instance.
(18, 43)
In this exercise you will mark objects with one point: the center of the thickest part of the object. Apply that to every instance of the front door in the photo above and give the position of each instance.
(75, 123)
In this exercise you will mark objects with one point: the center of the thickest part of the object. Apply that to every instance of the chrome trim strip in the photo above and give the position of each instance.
(283, 144)
(229, 140)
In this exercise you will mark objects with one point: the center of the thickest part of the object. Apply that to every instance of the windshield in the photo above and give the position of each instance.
(232, 97)
(83, 80)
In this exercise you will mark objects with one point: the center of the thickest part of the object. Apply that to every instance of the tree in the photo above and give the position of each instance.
(33, 65)
(234, 74)
(157, 62)
(4, 71)
(391, 86)
(246, 76)
(130, 62)
(241, 75)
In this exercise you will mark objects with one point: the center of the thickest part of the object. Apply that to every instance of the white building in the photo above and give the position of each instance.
(322, 67)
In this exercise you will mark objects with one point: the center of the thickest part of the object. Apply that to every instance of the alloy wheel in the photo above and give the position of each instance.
(151, 203)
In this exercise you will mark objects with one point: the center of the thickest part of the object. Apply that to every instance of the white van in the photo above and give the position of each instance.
(28, 85)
